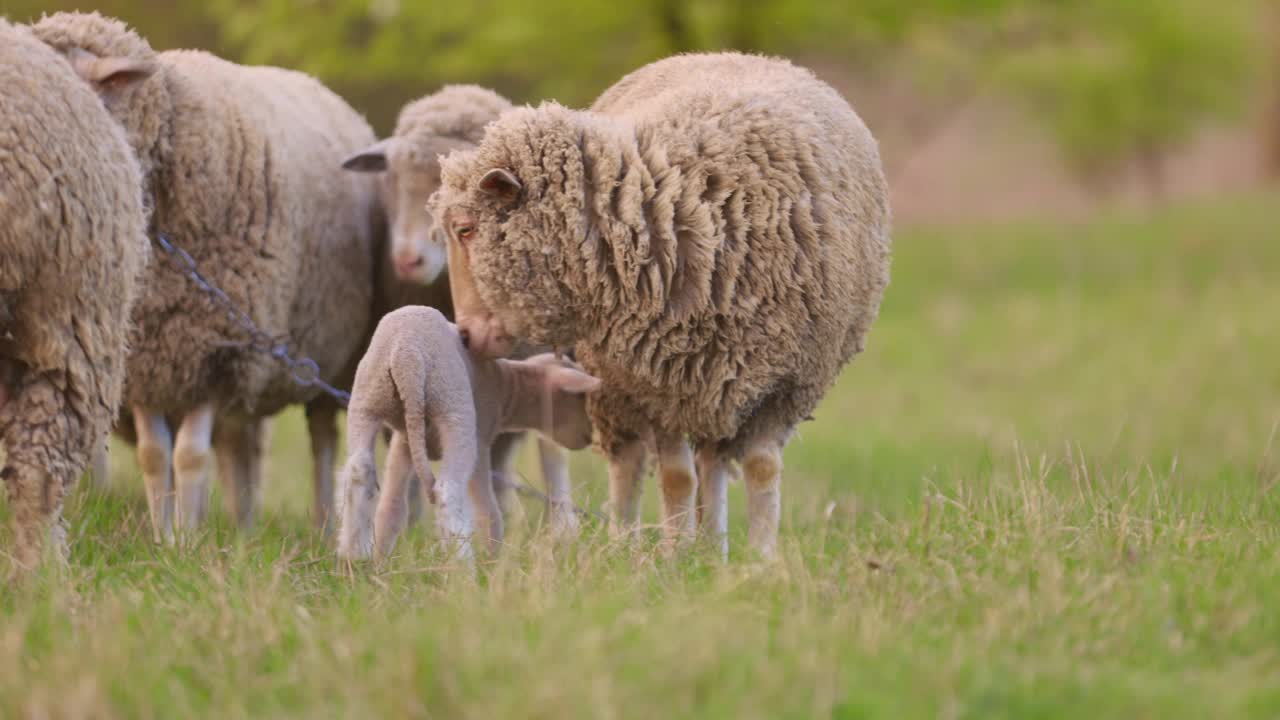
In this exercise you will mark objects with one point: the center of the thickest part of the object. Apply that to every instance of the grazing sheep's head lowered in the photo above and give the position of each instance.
(513, 208)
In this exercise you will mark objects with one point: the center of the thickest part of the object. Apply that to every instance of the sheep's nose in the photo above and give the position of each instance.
(406, 264)
(465, 335)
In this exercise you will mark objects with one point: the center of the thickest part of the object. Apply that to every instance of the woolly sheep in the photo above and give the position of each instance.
(240, 165)
(713, 236)
(73, 247)
(453, 118)
(418, 379)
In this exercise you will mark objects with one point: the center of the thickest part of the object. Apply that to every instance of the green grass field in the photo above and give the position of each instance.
(1048, 489)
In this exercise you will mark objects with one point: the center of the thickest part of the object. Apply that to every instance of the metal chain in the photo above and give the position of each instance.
(305, 371)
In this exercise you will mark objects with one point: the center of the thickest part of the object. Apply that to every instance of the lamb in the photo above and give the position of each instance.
(240, 167)
(419, 380)
(712, 237)
(450, 119)
(73, 249)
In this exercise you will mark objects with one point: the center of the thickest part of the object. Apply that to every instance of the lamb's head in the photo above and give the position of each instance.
(117, 63)
(514, 211)
(560, 395)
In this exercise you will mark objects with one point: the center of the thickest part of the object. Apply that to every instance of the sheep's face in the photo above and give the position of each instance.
(511, 209)
(567, 385)
(419, 244)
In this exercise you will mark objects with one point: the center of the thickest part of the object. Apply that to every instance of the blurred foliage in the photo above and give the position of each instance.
(1113, 81)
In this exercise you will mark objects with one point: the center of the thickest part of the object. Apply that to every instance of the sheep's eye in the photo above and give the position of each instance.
(465, 232)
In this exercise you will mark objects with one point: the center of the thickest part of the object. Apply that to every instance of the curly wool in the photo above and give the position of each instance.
(241, 167)
(713, 236)
(73, 249)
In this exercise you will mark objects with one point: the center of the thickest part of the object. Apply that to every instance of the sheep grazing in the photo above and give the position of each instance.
(240, 165)
(712, 237)
(73, 248)
(415, 268)
(418, 380)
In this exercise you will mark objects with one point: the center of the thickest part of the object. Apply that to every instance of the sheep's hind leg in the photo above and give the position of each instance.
(762, 473)
(713, 498)
(393, 502)
(239, 450)
(679, 481)
(626, 471)
(191, 453)
(155, 450)
(358, 489)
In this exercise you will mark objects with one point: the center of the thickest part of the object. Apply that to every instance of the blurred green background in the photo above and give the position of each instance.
(983, 106)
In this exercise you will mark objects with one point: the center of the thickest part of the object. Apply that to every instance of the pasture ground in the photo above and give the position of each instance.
(1048, 489)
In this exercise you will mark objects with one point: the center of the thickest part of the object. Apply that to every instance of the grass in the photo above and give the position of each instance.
(1047, 490)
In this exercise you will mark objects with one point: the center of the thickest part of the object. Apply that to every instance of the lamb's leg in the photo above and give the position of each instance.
(626, 471)
(501, 457)
(486, 503)
(713, 498)
(42, 435)
(393, 502)
(239, 449)
(191, 453)
(358, 488)
(322, 427)
(460, 466)
(679, 482)
(555, 472)
(762, 473)
(155, 448)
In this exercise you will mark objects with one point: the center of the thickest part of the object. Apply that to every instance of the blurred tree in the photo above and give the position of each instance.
(1271, 117)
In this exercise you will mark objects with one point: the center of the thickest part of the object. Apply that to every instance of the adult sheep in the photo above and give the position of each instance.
(415, 269)
(712, 236)
(240, 166)
(73, 247)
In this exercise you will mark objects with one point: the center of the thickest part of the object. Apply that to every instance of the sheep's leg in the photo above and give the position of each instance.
(155, 449)
(41, 434)
(762, 473)
(626, 471)
(555, 472)
(393, 502)
(358, 488)
(101, 466)
(501, 457)
(191, 453)
(486, 503)
(713, 498)
(460, 473)
(322, 427)
(679, 482)
(239, 450)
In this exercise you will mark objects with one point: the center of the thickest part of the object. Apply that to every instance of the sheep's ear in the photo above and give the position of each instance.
(370, 159)
(110, 75)
(574, 382)
(502, 184)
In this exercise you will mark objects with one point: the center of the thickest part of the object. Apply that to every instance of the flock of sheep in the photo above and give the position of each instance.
(710, 241)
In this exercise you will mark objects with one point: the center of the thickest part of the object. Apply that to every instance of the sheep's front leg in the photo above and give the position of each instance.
(192, 449)
(485, 501)
(626, 471)
(679, 482)
(155, 448)
(762, 473)
(393, 502)
(502, 455)
(358, 488)
(555, 472)
(322, 428)
(713, 498)
(239, 450)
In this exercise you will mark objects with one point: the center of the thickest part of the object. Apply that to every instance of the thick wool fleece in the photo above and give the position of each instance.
(73, 248)
(713, 236)
(241, 165)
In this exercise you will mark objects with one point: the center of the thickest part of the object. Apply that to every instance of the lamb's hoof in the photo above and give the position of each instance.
(563, 521)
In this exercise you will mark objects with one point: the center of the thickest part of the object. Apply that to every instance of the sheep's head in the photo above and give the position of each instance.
(513, 210)
(114, 60)
(564, 389)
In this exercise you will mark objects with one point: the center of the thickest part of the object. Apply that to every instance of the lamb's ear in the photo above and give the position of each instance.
(109, 75)
(370, 159)
(502, 184)
(572, 381)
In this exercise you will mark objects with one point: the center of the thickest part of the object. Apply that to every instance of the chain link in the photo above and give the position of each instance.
(304, 370)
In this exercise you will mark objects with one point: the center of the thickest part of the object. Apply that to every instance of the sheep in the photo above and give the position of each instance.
(240, 167)
(419, 380)
(416, 270)
(712, 237)
(73, 249)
